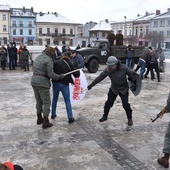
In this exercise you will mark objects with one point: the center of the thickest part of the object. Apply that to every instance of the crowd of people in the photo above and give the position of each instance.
(13, 57)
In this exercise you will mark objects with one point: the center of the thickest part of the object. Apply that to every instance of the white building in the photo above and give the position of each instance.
(53, 28)
(161, 24)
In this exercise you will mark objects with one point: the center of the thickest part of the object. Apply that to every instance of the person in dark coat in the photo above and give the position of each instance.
(2, 58)
(14, 49)
(11, 54)
(111, 38)
(129, 54)
(64, 65)
(117, 72)
(119, 38)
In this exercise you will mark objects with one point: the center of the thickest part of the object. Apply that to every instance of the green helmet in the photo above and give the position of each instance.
(112, 60)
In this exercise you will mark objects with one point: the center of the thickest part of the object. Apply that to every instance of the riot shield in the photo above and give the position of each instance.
(135, 87)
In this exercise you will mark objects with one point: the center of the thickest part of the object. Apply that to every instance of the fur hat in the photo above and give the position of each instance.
(50, 50)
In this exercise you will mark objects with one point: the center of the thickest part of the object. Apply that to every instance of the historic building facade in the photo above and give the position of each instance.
(22, 26)
(5, 23)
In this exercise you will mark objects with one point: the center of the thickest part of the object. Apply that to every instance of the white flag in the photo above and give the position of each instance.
(78, 90)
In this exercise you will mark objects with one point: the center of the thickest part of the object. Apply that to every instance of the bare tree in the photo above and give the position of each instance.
(155, 38)
(131, 39)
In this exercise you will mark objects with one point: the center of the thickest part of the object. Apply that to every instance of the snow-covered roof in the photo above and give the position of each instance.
(164, 15)
(53, 18)
(4, 7)
(146, 17)
(22, 12)
(103, 25)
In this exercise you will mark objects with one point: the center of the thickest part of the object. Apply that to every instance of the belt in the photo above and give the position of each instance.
(41, 75)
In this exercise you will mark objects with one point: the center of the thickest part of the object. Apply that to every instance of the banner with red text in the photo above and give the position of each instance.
(78, 90)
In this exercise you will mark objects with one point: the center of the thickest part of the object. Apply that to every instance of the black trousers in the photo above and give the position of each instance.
(125, 102)
(155, 67)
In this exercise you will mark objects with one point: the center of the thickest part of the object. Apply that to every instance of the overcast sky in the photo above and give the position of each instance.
(83, 11)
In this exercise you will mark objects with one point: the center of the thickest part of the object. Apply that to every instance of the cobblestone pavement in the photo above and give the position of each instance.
(86, 144)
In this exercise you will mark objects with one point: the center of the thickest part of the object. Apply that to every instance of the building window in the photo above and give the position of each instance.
(30, 23)
(130, 32)
(14, 24)
(155, 24)
(168, 33)
(64, 31)
(162, 23)
(48, 31)
(40, 41)
(162, 33)
(147, 31)
(21, 31)
(56, 31)
(4, 17)
(4, 28)
(14, 32)
(48, 41)
(40, 31)
(136, 31)
(168, 23)
(21, 23)
(71, 31)
(30, 32)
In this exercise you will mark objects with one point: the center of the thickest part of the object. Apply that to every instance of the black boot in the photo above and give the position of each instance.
(71, 120)
(104, 118)
(130, 122)
(129, 117)
(164, 161)
(39, 119)
(46, 123)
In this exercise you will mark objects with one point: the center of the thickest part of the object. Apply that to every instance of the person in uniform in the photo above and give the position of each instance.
(119, 38)
(164, 161)
(118, 73)
(111, 38)
(40, 81)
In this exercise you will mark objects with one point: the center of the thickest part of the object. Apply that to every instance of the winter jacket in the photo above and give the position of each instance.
(161, 56)
(129, 54)
(145, 55)
(118, 78)
(25, 54)
(78, 61)
(62, 66)
(2, 55)
(43, 71)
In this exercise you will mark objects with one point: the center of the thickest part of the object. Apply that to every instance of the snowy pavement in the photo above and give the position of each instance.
(86, 144)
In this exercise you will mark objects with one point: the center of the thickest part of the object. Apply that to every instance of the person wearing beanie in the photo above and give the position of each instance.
(40, 81)
(9, 166)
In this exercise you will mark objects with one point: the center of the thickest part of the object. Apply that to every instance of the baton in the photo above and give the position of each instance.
(72, 71)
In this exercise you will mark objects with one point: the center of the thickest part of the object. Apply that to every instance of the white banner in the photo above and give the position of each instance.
(78, 90)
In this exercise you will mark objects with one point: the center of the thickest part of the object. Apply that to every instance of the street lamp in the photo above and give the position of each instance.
(125, 29)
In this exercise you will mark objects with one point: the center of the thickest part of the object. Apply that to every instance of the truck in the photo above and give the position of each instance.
(99, 51)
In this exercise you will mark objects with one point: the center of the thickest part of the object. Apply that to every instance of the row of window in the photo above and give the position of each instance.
(21, 32)
(161, 23)
(56, 31)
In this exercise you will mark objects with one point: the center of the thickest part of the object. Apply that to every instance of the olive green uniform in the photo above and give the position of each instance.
(40, 81)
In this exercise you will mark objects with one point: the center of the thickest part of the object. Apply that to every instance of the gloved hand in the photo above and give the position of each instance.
(89, 87)
(61, 76)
